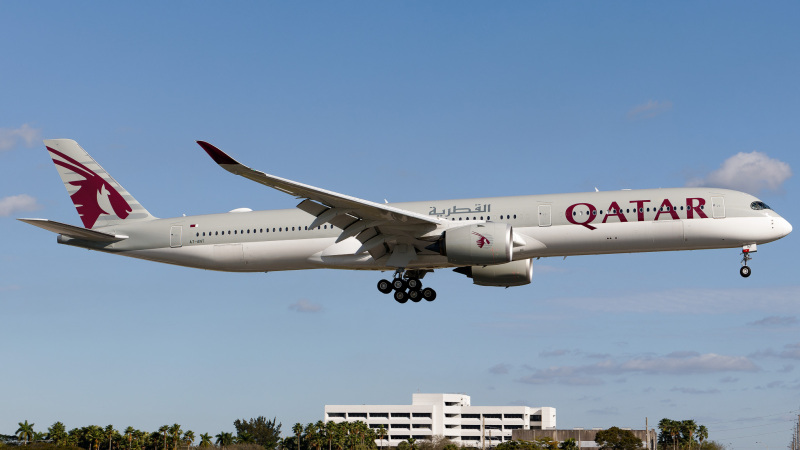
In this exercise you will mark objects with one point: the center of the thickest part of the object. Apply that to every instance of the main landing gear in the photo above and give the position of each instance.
(407, 286)
(746, 251)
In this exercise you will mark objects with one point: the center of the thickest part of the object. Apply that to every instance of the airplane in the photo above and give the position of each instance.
(493, 240)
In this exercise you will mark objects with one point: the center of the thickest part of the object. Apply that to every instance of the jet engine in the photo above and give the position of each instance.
(478, 244)
(515, 273)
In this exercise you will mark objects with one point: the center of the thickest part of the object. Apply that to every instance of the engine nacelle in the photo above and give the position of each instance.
(479, 244)
(515, 273)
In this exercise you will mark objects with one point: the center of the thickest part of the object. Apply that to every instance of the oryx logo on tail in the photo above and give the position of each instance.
(95, 196)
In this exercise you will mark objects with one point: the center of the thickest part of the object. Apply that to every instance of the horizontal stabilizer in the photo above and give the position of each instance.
(73, 231)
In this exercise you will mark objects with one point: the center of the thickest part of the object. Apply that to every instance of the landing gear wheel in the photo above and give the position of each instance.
(399, 284)
(744, 271)
(384, 286)
(400, 296)
(413, 283)
(415, 295)
(429, 294)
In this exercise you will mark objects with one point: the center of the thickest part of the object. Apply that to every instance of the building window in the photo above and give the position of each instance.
(426, 415)
(536, 417)
(336, 414)
(384, 415)
(470, 427)
(403, 415)
(470, 416)
(492, 416)
(362, 415)
(513, 416)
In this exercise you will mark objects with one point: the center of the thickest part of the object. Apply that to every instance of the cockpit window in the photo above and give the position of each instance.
(759, 205)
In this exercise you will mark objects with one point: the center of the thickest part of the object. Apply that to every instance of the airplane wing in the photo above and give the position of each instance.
(73, 231)
(377, 226)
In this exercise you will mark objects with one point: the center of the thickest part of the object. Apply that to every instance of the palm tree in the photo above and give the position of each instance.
(224, 439)
(95, 434)
(163, 431)
(310, 431)
(298, 430)
(129, 434)
(25, 431)
(188, 439)
(330, 430)
(205, 440)
(175, 434)
(702, 434)
(109, 433)
(688, 428)
(411, 443)
(381, 434)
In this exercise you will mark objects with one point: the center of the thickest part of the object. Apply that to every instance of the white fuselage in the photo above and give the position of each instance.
(550, 225)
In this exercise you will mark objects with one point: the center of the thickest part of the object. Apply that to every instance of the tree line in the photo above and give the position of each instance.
(263, 434)
(256, 432)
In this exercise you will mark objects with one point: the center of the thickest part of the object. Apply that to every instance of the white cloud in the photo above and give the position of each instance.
(752, 172)
(689, 390)
(17, 203)
(775, 321)
(9, 138)
(559, 352)
(693, 301)
(649, 110)
(305, 306)
(676, 363)
(790, 351)
(500, 369)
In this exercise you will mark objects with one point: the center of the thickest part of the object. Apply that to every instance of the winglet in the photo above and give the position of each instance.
(216, 154)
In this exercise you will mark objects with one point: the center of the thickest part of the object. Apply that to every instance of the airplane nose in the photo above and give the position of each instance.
(782, 227)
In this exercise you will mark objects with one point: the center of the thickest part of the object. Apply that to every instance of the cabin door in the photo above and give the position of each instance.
(545, 219)
(718, 207)
(175, 236)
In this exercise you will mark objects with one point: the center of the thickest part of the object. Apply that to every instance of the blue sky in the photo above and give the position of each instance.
(400, 101)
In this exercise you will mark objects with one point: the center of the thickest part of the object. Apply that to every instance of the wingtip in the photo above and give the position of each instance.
(216, 154)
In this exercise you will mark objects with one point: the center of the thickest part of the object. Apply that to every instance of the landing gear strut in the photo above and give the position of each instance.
(407, 286)
(746, 251)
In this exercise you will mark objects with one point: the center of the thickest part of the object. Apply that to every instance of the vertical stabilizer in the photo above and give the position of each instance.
(99, 199)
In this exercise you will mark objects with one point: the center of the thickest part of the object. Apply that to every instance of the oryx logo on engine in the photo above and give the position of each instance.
(482, 240)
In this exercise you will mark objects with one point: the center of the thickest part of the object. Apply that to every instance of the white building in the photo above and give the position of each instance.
(448, 415)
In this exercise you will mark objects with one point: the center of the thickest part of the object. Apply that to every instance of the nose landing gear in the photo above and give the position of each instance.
(407, 286)
(746, 251)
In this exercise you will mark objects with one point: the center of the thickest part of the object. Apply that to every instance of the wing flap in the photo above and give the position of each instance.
(73, 231)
